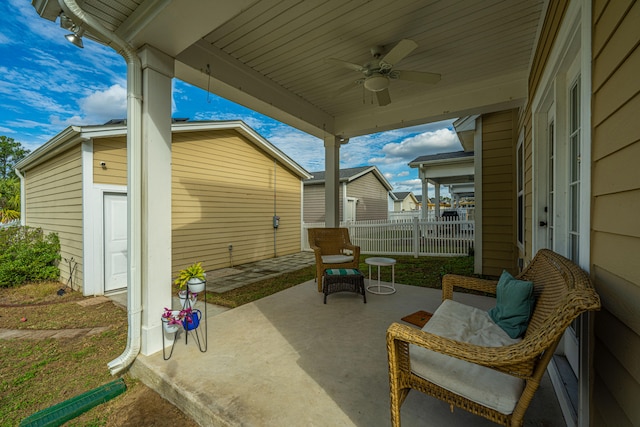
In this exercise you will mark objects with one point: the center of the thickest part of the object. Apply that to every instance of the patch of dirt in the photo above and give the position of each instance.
(138, 406)
(39, 373)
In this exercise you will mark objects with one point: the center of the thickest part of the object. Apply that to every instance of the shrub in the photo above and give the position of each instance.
(27, 255)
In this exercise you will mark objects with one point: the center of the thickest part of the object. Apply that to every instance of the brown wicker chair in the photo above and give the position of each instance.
(563, 291)
(333, 249)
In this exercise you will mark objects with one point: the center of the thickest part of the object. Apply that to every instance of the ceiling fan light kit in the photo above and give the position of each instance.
(376, 83)
(379, 72)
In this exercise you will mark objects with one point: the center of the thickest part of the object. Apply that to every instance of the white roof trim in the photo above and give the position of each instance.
(74, 134)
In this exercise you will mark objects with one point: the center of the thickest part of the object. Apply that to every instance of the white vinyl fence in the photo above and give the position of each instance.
(444, 237)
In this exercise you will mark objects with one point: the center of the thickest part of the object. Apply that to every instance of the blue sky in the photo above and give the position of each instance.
(48, 84)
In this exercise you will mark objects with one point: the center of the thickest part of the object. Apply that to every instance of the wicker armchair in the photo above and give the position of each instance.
(333, 249)
(563, 291)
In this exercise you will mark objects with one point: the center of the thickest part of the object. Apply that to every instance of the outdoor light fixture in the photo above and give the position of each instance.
(376, 82)
(76, 36)
(77, 32)
(66, 22)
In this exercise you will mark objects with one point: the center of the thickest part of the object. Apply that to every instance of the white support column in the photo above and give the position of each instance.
(425, 194)
(157, 72)
(332, 181)
(437, 200)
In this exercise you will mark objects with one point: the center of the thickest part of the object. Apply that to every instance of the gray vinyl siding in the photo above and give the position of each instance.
(314, 207)
(372, 198)
(615, 205)
(53, 196)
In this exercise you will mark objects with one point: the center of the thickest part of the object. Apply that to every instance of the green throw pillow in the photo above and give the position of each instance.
(514, 305)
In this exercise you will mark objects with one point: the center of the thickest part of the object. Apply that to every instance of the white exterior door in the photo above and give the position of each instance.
(115, 242)
(351, 209)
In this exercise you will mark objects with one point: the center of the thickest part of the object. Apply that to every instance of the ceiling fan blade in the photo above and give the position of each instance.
(399, 51)
(383, 97)
(349, 86)
(418, 76)
(344, 64)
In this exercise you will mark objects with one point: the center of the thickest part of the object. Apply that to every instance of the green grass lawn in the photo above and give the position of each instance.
(422, 271)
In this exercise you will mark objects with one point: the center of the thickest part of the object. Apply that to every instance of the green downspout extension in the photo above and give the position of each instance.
(59, 414)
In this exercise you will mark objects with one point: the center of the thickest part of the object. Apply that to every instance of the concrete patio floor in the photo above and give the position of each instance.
(290, 360)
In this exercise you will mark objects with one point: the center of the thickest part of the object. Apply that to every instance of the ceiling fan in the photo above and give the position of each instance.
(379, 72)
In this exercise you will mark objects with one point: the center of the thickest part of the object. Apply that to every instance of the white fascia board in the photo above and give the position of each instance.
(248, 133)
(439, 162)
(61, 141)
(494, 94)
(235, 81)
(466, 123)
(449, 170)
(462, 188)
(66, 139)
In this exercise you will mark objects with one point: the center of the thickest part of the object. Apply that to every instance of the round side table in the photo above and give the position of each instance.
(381, 289)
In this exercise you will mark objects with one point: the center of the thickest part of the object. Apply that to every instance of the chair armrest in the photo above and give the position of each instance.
(354, 249)
(317, 252)
(516, 358)
(474, 283)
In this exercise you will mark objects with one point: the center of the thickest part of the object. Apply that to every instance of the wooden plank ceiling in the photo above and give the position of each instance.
(270, 54)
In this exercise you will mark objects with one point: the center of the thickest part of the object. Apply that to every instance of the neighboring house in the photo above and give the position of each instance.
(363, 190)
(405, 201)
(227, 184)
(444, 169)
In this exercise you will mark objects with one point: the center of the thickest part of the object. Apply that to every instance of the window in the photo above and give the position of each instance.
(574, 171)
(520, 190)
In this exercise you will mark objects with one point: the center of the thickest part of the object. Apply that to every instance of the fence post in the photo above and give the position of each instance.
(416, 237)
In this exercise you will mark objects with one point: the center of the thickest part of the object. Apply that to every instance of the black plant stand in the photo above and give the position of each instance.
(199, 332)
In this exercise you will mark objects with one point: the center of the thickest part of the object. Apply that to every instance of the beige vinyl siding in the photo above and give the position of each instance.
(53, 194)
(615, 202)
(223, 194)
(499, 193)
(112, 151)
(372, 197)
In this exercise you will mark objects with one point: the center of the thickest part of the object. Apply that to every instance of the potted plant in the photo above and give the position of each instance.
(186, 295)
(172, 320)
(190, 318)
(193, 276)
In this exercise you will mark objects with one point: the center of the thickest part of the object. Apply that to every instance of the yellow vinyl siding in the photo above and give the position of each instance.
(498, 193)
(223, 194)
(113, 152)
(615, 238)
(53, 193)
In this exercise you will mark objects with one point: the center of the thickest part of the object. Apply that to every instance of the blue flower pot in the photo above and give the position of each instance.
(196, 315)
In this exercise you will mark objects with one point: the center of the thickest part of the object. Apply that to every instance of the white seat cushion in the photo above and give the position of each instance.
(336, 259)
(477, 383)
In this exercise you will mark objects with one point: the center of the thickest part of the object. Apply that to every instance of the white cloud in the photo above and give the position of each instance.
(304, 149)
(431, 142)
(103, 105)
(403, 173)
(413, 185)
